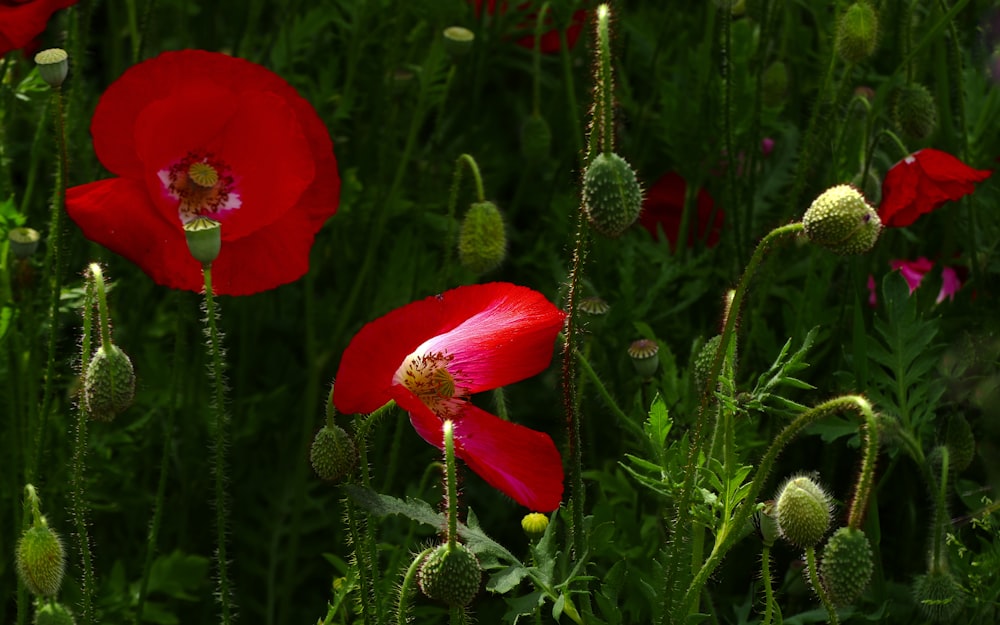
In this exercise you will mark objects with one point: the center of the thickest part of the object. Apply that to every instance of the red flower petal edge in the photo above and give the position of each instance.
(663, 207)
(21, 23)
(922, 182)
(550, 41)
(262, 160)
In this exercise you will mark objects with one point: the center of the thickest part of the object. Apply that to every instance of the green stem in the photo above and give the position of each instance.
(80, 457)
(765, 575)
(605, 81)
(940, 513)
(221, 426)
(450, 488)
(406, 588)
(362, 561)
(103, 318)
(456, 186)
(623, 419)
(818, 587)
(866, 478)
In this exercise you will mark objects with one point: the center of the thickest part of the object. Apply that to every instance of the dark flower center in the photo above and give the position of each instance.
(427, 376)
(202, 184)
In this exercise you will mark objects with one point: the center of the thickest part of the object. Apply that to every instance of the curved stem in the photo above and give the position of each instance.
(406, 588)
(818, 587)
(80, 458)
(103, 318)
(765, 574)
(623, 419)
(866, 478)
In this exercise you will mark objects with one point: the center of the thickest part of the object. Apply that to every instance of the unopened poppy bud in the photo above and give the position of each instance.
(41, 561)
(53, 66)
(534, 525)
(482, 242)
(960, 442)
(333, 453)
(846, 565)
(109, 383)
(451, 575)
(802, 508)
(23, 242)
(612, 196)
(536, 139)
(857, 32)
(774, 84)
(939, 596)
(645, 357)
(458, 40)
(766, 524)
(594, 306)
(704, 360)
(204, 239)
(53, 614)
(914, 111)
(842, 221)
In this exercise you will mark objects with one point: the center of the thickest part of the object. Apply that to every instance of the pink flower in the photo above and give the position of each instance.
(914, 271)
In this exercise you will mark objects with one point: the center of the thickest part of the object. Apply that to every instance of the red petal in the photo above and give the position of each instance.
(21, 23)
(663, 207)
(922, 182)
(944, 168)
(518, 461)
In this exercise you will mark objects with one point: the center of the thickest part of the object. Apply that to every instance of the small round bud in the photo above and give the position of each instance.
(594, 305)
(23, 241)
(914, 111)
(846, 565)
(54, 614)
(645, 357)
(333, 453)
(704, 360)
(939, 596)
(857, 32)
(450, 575)
(53, 65)
(534, 525)
(960, 442)
(41, 561)
(774, 85)
(612, 196)
(109, 383)
(458, 40)
(204, 239)
(482, 241)
(802, 508)
(536, 139)
(842, 221)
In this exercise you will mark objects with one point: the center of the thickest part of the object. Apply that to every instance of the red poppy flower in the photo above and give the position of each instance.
(23, 20)
(922, 182)
(432, 355)
(196, 133)
(550, 43)
(663, 206)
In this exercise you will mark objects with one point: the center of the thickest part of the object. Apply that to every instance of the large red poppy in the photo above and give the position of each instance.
(23, 20)
(196, 133)
(550, 43)
(663, 207)
(432, 355)
(922, 182)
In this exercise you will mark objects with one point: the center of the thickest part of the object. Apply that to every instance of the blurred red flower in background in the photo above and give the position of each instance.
(922, 182)
(23, 20)
(201, 134)
(431, 355)
(550, 43)
(663, 207)
(914, 271)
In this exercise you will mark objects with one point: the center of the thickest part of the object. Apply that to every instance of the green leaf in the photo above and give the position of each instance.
(506, 579)
(658, 424)
(384, 505)
(178, 575)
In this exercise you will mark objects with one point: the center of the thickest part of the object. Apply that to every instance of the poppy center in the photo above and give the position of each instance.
(203, 186)
(427, 376)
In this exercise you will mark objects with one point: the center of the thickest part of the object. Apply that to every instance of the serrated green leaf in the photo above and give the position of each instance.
(658, 424)
(506, 579)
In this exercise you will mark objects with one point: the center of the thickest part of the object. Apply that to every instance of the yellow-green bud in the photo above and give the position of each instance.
(54, 614)
(857, 32)
(612, 197)
(333, 453)
(204, 239)
(960, 442)
(846, 565)
(53, 66)
(482, 241)
(41, 561)
(914, 111)
(534, 524)
(645, 357)
(458, 40)
(842, 221)
(450, 575)
(803, 511)
(23, 241)
(536, 139)
(109, 383)
(704, 360)
(939, 596)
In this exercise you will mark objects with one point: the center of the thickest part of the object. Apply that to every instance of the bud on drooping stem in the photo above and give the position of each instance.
(803, 511)
(914, 111)
(39, 555)
(842, 221)
(846, 565)
(482, 241)
(109, 380)
(857, 32)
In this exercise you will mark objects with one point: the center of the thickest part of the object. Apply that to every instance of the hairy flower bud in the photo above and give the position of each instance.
(54, 614)
(842, 221)
(802, 508)
(914, 111)
(846, 565)
(536, 139)
(857, 32)
(960, 442)
(482, 241)
(108, 384)
(611, 194)
(450, 575)
(939, 596)
(333, 453)
(41, 561)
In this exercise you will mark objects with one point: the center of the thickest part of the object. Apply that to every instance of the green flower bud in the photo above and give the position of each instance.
(450, 575)
(645, 358)
(766, 524)
(914, 111)
(54, 614)
(842, 221)
(109, 383)
(458, 40)
(333, 453)
(23, 242)
(846, 565)
(482, 241)
(939, 596)
(612, 196)
(536, 139)
(803, 511)
(204, 239)
(41, 561)
(960, 442)
(857, 32)
(703, 361)
(534, 524)
(53, 66)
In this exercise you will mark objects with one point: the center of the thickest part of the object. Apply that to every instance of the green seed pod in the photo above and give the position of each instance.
(204, 239)
(54, 614)
(53, 66)
(846, 565)
(645, 357)
(109, 384)
(458, 40)
(857, 32)
(612, 196)
(333, 453)
(23, 242)
(536, 139)
(960, 442)
(939, 596)
(914, 111)
(774, 85)
(482, 241)
(451, 576)
(41, 561)
(803, 511)
(842, 221)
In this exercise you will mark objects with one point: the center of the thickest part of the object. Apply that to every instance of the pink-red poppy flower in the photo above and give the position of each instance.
(550, 43)
(922, 182)
(23, 20)
(431, 355)
(663, 207)
(200, 134)
(914, 272)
